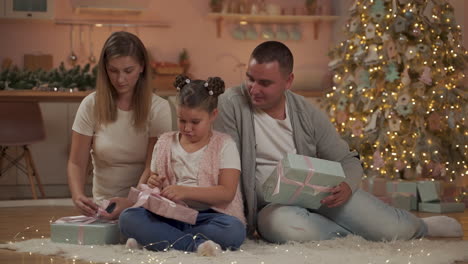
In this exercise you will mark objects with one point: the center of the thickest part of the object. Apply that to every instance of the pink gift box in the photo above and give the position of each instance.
(151, 200)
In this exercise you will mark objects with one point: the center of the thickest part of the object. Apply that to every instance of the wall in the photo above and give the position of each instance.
(189, 28)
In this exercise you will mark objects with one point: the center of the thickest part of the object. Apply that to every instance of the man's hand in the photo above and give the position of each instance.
(175, 193)
(156, 181)
(339, 195)
(121, 203)
(85, 205)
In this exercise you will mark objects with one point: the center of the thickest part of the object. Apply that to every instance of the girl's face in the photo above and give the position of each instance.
(124, 73)
(195, 123)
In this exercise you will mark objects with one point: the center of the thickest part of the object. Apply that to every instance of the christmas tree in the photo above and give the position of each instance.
(397, 97)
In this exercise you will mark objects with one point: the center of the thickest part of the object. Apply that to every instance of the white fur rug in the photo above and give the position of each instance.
(347, 250)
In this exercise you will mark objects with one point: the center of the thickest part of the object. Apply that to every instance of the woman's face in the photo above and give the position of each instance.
(124, 73)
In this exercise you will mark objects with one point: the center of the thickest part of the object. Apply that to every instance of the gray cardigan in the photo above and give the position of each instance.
(314, 136)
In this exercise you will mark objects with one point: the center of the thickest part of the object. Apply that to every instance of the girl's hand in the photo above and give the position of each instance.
(121, 203)
(156, 181)
(175, 193)
(85, 205)
(339, 195)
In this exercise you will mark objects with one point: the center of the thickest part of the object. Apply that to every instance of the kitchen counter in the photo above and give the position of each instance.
(45, 96)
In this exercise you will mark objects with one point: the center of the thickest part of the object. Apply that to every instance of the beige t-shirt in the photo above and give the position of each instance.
(119, 150)
(274, 139)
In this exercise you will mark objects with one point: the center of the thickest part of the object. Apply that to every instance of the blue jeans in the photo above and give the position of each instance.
(159, 233)
(363, 215)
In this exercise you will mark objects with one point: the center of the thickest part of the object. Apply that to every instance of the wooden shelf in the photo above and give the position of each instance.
(116, 23)
(220, 17)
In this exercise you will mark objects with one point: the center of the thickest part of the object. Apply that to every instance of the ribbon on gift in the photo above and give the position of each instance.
(86, 220)
(394, 189)
(146, 192)
(178, 211)
(281, 178)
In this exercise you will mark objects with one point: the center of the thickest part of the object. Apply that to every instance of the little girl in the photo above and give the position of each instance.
(200, 167)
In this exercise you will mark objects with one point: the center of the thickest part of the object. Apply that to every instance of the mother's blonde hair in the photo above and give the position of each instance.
(105, 109)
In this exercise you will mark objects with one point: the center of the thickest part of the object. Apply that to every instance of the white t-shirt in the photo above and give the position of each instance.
(185, 165)
(274, 139)
(119, 150)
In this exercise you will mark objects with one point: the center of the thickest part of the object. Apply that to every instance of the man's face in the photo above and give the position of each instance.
(266, 84)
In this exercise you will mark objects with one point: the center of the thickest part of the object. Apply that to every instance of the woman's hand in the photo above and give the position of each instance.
(175, 193)
(156, 181)
(121, 203)
(85, 205)
(339, 195)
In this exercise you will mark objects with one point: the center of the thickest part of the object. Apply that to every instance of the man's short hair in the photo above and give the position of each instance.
(270, 51)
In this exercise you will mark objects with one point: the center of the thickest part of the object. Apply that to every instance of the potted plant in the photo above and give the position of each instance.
(216, 5)
(184, 61)
(311, 6)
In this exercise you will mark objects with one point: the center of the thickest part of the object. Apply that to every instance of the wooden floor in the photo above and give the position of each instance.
(33, 222)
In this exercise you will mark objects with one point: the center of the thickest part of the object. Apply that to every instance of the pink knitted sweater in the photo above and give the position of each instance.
(208, 170)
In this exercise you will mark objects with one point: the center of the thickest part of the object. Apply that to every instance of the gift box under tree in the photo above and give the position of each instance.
(402, 189)
(302, 181)
(84, 230)
(431, 200)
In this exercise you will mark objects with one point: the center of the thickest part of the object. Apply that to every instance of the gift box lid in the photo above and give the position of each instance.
(320, 166)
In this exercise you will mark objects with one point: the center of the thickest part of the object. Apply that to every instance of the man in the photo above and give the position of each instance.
(267, 121)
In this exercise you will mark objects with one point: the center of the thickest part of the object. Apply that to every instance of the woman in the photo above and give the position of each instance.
(118, 124)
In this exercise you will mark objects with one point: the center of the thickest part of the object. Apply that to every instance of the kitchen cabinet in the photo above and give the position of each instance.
(28, 9)
(272, 19)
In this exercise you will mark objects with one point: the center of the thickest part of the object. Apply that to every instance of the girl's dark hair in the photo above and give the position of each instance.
(199, 93)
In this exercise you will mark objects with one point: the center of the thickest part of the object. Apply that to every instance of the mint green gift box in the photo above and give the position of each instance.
(402, 200)
(405, 187)
(302, 181)
(441, 207)
(429, 191)
(96, 233)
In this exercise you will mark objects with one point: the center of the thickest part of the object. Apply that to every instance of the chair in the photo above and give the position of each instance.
(21, 124)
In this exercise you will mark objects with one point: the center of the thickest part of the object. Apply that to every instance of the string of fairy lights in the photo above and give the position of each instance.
(409, 251)
(398, 97)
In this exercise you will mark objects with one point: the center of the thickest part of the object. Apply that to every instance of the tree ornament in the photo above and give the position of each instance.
(352, 108)
(391, 49)
(400, 24)
(386, 37)
(354, 26)
(426, 76)
(405, 78)
(378, 160)
(404, 99)
(370, 31)
(394, 123)
(416, 32)
(420, 88)
(410, 52)
(428, 11)
(409, 15)
(377, 11)
(362, 79)
(404, 110)
(342, 103)
(392, 73)
(372, 121)
(422, 48)
(341, 117)
(356, 128)
(372, 56)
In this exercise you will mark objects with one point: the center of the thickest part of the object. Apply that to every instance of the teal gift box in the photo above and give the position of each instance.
(441, 207)
(406, 188)
(402, 200)
(100, 232)
(302, 181)
(429, 191)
